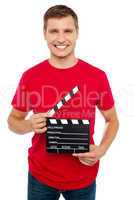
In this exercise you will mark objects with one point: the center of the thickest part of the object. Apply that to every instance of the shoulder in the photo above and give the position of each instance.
(92, 70)
(34, 71)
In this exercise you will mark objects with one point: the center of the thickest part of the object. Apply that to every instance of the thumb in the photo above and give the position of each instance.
(84, 155)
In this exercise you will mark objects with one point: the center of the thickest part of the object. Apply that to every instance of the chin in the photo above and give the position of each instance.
(61, 55)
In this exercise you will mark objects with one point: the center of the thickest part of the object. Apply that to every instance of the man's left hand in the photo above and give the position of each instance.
(91, 157)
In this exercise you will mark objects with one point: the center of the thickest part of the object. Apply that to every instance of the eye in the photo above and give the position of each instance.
(68, 31)
(53, 31)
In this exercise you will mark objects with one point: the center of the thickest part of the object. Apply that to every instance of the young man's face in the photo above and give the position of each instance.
(61, 35)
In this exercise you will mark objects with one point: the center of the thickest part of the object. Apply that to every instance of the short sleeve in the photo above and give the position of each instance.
(105, 100)
(21, 100)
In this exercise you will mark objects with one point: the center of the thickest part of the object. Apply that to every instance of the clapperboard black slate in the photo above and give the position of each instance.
(67, 135)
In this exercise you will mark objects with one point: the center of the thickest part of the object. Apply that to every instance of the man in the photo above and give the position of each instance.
(40, 88)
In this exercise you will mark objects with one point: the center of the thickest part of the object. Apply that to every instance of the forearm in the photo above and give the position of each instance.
(20, 126)
(111, 128)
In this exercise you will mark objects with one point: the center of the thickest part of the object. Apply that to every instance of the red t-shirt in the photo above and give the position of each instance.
(40, 88)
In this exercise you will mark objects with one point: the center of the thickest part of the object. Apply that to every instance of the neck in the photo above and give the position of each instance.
(64, 62)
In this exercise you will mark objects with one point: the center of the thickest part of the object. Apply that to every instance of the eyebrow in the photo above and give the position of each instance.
(67, 29)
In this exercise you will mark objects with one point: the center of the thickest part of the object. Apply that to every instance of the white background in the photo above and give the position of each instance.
(106, 41)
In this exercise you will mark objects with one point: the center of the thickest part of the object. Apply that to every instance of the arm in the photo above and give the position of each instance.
(18, 123)
(111, 128)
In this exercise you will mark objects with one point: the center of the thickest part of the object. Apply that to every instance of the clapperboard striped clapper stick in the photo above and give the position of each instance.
(67, 135)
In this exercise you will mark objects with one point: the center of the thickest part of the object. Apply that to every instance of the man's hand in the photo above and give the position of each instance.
(90, 158)
(18, 123)
(38, 122)
(96, 152)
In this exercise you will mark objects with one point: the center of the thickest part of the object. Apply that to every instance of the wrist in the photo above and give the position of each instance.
(103, 149)
(29, 125)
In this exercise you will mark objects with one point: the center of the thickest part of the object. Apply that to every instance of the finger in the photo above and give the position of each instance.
(40, 125)
(80, 154)
(89, 163)
(91, 147)
(39, 120)
(86, 163)
(84, 155)
(43, 130)
(38, 115)
(88, 159)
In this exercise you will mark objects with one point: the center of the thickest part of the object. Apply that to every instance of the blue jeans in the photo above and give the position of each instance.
(39, 191)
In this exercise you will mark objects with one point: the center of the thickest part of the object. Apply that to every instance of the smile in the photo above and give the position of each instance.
(62, 47)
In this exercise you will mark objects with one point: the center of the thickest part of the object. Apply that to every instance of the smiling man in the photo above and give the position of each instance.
(40, 88)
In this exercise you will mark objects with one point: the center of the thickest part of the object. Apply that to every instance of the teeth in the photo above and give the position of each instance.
(60, 47)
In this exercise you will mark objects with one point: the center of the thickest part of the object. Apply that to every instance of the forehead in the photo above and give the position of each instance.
(64, 22)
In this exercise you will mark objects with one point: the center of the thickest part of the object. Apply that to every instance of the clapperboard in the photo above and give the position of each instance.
(67, 135)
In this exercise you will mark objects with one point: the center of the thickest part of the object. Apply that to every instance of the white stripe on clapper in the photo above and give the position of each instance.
(60, 104)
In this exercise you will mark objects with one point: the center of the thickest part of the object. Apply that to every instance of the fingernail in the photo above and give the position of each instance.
(74, 154)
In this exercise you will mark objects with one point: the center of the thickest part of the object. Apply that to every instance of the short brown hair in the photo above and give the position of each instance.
(59, 11)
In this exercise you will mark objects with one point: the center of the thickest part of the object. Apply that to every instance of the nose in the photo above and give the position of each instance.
(61, 37)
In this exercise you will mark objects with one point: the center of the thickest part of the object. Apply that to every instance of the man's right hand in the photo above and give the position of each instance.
(18, 123)
(38, 122)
